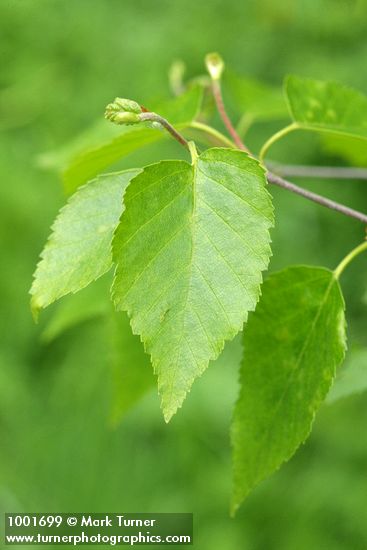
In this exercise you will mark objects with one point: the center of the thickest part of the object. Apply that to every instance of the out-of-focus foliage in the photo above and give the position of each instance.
(256, 100)
(352, 378)
(62, 62)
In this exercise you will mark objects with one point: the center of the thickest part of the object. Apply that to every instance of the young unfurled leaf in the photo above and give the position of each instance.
(86, 164)
(79, 248)
(326, 107)
(190, 249)
(352, 377)
(292, 345)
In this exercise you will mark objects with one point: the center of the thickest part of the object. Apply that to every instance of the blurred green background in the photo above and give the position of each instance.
(61, 63)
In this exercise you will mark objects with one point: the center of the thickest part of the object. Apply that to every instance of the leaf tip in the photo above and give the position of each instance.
(170, 404)
(168, 412)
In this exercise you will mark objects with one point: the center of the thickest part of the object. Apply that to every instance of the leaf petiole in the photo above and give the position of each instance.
(349, 258)
(193, 152)
(213, 132)
(154, 117)
(276, 137)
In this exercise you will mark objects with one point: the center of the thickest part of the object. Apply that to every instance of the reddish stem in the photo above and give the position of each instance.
(217, 93)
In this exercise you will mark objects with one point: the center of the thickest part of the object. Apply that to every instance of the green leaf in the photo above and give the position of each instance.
(79, 248)
(326, 107)
(190, 249)
(86, 164)
(292, 345)
(255, 99)
(352, 377)
(131, 369)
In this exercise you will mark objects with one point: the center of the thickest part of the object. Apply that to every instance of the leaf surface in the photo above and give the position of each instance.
(189, 250)
(293, 344)
(79, 248)
(327, 107)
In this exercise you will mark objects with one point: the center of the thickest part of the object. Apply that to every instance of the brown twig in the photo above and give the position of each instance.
(319, 199)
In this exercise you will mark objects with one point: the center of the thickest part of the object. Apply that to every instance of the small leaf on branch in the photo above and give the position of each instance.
(293, 344)
(79, 248)
(326, 107)
(190, 249)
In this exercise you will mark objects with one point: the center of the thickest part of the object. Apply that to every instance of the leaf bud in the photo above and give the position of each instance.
(123, 118)
(123, 111)
(127, 105)
(215, 65)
